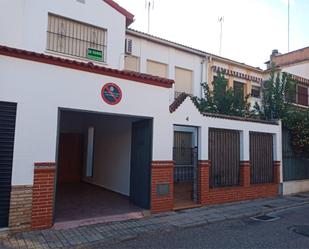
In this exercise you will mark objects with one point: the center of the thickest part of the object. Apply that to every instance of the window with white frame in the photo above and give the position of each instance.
(74, 38)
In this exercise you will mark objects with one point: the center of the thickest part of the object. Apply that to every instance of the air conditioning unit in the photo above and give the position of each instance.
(128, 46)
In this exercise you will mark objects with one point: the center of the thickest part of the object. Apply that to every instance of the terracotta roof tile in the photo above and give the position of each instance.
(178, 101)
(181, 98)
(88, 67)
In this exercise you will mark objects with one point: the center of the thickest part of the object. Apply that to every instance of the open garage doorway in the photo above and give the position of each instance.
(103, 168)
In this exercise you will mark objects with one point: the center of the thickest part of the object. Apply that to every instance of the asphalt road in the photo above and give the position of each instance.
(238, 234)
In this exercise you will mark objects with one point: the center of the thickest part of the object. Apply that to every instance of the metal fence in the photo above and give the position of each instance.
(261, 157)
(76, 39)
(224, 153)
(294, 167)
(184, 164)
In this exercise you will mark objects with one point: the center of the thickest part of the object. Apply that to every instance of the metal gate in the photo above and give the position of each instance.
(295, 167)
(224, 153)
(261, 157)
(185, 157)
(7, 132)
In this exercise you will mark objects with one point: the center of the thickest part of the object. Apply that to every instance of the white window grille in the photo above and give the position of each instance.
(75, 38)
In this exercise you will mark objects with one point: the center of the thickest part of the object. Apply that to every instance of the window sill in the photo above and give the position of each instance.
(66, 56)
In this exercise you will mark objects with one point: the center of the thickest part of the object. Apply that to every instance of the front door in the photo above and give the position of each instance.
(7, 132)
(141, 163)
(185, 171)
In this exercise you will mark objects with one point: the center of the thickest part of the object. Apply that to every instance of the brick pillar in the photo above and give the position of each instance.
(245, 173)
(162, 186)
(277, 172)
(20, 208)
(43, 195)
(203, 180)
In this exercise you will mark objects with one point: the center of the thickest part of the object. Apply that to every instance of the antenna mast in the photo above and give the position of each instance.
(288, 25)
(149, 5)
(221, 20)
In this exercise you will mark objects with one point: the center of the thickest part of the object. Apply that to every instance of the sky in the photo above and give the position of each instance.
(251, 28)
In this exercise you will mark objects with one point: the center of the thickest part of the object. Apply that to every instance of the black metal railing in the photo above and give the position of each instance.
(295, 167)
(184, 164)
(76, 39)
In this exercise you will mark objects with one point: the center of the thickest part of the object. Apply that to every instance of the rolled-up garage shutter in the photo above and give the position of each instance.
(7, 132)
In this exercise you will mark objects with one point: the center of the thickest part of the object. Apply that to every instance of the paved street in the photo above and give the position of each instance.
(228, 225)
(242, 233)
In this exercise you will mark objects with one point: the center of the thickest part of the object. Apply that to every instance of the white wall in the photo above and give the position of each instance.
(40, 89)
(187, 114)
(148, 50)
(293, 187)
(21, 21)
(112, 155)
(300, 69)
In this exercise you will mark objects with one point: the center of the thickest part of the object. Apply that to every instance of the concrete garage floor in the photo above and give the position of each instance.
(81, 203)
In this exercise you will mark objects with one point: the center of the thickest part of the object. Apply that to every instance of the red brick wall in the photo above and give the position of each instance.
(277, 172)
(43, 195)
(292, 57)
(243, 192)
(203, 183)
(245, 173)
(20, 208)
(162, 172)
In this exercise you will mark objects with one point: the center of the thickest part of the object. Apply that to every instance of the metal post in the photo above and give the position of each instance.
(288, 25)
(221, 19)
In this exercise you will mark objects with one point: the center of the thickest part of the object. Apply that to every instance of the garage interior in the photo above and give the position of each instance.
(103, 170)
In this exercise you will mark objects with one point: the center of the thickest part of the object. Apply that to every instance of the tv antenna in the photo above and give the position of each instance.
(149, 5)
(288, 25)
(221, 20)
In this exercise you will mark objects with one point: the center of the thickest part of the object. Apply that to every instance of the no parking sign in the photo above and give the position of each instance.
(111, 93)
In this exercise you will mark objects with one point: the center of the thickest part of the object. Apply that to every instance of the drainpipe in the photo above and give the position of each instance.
(205, 59)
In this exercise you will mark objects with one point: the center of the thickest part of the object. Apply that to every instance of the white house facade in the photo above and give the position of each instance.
(78, 132)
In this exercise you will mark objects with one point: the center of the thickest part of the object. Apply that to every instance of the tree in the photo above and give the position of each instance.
(297, 122)
(221, 99)
(278, 93)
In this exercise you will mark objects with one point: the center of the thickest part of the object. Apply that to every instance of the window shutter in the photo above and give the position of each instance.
(156, 68)
(131, 63)
(183, 80)
(302, 95)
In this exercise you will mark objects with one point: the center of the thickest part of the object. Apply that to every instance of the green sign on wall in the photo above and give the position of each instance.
(94, 54)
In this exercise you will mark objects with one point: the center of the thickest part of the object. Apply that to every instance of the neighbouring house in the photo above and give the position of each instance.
(93, 130)
(295, 168)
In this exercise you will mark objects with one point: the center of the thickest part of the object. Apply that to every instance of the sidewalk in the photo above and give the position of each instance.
(82, 237)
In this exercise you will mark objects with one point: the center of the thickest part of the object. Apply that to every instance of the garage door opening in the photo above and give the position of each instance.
(103, 169)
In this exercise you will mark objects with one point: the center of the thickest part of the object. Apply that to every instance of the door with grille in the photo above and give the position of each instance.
(7, 132)
(185, 171)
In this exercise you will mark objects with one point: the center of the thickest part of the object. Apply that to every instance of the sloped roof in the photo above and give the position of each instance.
(188, 48)
(129, 16)
(183, 96)
(88, 67)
